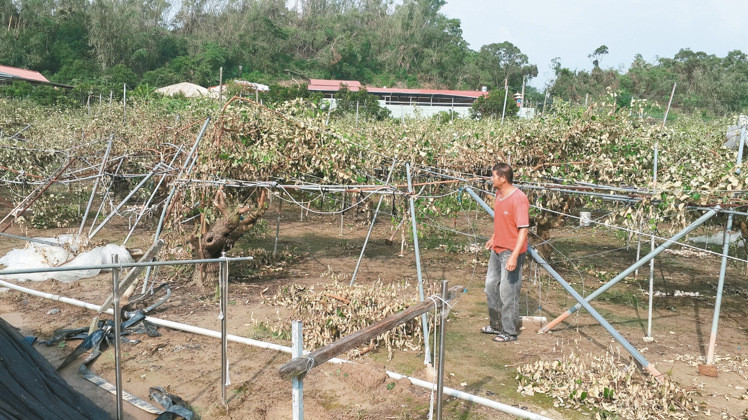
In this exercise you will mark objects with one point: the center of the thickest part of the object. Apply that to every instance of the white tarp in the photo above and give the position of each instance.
(37, 255)
(718, 238)
(189, 90)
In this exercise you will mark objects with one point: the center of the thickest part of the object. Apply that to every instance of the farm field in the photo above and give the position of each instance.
(188, 365)
(259, 169)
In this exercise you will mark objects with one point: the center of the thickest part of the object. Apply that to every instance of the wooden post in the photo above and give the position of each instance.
(301, 365)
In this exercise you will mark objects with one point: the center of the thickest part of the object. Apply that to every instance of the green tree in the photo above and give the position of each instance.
(598, 54)
(499, 61)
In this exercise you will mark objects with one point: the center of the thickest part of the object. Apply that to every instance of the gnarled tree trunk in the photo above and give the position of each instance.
(224, 233)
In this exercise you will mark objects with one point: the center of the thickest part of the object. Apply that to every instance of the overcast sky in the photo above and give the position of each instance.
(572, 29)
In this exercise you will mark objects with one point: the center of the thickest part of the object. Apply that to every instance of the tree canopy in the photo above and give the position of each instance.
(97, 45)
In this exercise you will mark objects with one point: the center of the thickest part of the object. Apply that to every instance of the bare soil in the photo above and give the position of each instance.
(188, 365)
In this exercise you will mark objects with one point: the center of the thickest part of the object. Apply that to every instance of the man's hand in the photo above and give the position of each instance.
(511, 263)
(489, 243)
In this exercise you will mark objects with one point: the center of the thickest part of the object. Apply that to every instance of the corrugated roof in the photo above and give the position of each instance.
(16, 73)
(445, 92)
(333, 85)
(322, 85)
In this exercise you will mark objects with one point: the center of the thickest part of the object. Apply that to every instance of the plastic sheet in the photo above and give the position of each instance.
(36, 255)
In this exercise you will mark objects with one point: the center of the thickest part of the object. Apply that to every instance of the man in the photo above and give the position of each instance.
(508, 245)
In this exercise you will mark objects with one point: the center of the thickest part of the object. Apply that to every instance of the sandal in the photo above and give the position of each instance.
(503, 337)
(490, 330)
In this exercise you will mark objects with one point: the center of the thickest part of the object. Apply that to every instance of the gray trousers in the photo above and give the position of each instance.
(502, 292)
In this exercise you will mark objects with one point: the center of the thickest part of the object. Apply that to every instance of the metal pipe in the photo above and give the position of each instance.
(153, 195)
(638, 247)
(24, 238)
(103, 198)
(723, 266)
(651, 288)
(416, 248)
(442, 329)
(371, 227)
(708, 215)
(616, 335)
(471, 398)
(171, 195)
(117, 338)
(24, 205)
(720, 288)
(297, 383)
(224, 285)
(506, 92)
(277, 227)
(181, 171)
(96, 183)
(740, 151)
(124, 201)
(277, 347)
(120, 265)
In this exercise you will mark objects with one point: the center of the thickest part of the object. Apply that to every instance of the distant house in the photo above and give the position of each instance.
(406, 102)
(10, 74)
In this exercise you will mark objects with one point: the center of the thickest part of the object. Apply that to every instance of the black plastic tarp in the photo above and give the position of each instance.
(30, 388)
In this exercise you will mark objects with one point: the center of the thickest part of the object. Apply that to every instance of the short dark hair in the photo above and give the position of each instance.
(502, 169)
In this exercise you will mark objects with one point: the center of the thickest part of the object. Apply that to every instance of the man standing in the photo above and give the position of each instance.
(508, 245)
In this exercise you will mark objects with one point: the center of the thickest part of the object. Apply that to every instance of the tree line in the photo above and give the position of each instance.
(103, 44)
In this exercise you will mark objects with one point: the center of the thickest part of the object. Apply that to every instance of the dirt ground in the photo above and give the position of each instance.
(188, 365)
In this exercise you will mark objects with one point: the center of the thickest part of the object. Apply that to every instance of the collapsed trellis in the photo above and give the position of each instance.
(305, 153)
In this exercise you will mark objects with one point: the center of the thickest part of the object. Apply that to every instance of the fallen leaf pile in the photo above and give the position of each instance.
(606, 385)
(334, 310)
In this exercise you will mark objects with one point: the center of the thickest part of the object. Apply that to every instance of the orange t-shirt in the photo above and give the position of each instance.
(510, 214)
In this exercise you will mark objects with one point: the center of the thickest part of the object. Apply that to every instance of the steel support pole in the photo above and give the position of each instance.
(723, 265)
(103, 197)
(124, 201)
(117, 338)
(442, 329)
(599, 318)
(297, 350)
(720, 288)
(277, 227)
(506, 93)
(416, 248)
(167, 203)
(96, 183)
(740, 151)
(223, 279)
(708, 215)
(373, 221)
(153, 195)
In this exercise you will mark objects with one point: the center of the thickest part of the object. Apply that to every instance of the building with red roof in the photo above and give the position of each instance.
(406, 102)
(11, 74)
